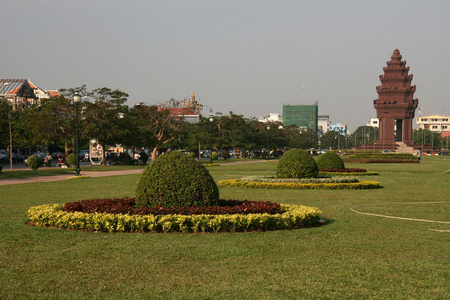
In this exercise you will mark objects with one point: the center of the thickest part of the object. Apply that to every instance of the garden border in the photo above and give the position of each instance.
(295, 216)
(368, 173)
(362, 184)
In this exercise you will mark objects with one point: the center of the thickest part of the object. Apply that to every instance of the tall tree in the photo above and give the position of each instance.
(363, 135)
(427, 137)
(53, 122)
(5, 110)
(333, 140)
(157, 126)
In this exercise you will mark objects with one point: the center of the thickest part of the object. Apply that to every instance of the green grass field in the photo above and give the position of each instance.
(353, 256)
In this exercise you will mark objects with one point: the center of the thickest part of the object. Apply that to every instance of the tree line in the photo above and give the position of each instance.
(105, 116)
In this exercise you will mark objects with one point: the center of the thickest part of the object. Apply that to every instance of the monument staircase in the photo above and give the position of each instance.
(403, 148)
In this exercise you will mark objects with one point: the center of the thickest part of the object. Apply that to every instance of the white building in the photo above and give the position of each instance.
(434, 123)
(374, 122)
(323, 123)
(272, 117)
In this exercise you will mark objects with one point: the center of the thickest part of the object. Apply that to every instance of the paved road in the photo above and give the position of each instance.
(64, 177)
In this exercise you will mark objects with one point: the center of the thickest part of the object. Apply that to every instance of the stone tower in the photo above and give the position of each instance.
(395, 104)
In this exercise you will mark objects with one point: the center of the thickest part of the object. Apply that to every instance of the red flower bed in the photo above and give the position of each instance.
(347, 170)
(127, 206)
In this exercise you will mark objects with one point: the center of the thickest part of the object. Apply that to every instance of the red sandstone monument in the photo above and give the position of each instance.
(395, 105)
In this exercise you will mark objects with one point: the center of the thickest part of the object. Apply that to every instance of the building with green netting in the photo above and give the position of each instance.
(302, 116)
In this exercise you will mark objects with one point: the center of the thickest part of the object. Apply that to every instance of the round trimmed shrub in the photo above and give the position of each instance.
(215, 156)
(297, 163)
(225, 154)
(34, 162)
(330, 161)
(176, 180)
(125, 158)
(72, 159)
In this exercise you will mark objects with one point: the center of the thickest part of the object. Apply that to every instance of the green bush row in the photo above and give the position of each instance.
(295, 216)
(362, 184)
(385, 156)
(379, 161)
(368, 173)
(299, 180)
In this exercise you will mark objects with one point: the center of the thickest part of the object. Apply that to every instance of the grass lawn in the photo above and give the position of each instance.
(353, 256)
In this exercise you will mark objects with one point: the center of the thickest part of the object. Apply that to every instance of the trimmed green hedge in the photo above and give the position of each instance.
(330, 160)
(326, 179)
(295, 216)
(297, 163)
(362, 184)
(72, 159)
(384, 155)
(176, 180)
(368, 173)
(34, 162)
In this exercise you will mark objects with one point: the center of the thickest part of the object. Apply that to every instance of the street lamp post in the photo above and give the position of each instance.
(211, 119)
(268, 142)
(76, 100)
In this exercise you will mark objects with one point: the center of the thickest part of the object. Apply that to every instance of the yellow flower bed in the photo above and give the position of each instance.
(78, 177)
(362, 184)
(294, 216)
(212, 165)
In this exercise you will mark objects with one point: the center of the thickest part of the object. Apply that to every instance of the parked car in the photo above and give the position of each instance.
(17, 158)
(57, 155)
(83, 155)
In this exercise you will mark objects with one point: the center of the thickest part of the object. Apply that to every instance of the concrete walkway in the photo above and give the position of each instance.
(10, 181)
(93, 174)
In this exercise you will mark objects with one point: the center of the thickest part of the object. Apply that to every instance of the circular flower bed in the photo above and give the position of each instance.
(120, 215)
(301, 184)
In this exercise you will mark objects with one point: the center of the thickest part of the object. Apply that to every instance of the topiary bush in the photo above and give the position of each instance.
(125, 159)
(34, 162)
(143, 157)
(225, 154)
(72, 159)
(215, 156)
(297, 163)
(330, 161)
(176, 180)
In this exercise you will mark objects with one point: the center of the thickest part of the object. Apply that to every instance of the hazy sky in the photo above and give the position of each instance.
(249, 57)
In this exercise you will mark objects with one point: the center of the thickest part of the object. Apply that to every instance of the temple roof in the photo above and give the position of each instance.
(23, 87)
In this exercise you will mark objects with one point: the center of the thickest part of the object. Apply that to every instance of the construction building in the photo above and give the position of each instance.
(302, 116)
